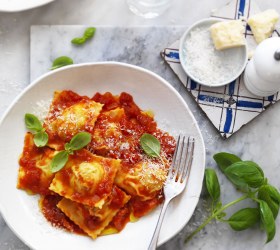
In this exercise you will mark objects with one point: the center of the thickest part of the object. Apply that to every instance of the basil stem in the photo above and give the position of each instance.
(214, 215)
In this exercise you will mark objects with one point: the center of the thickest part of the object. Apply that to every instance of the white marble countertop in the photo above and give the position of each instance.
(257, 141)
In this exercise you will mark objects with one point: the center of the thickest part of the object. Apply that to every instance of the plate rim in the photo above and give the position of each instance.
(195, 199)
(9, 9)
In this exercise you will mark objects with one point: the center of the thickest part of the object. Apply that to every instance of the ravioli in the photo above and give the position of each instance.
(70, 114)
(78, 117)
(34, 174)
(145, 179)
(86, 178)
(108, 183)
(94, 220)
(115, 135)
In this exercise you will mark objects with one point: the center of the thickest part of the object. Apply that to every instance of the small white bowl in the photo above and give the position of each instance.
(232, 61)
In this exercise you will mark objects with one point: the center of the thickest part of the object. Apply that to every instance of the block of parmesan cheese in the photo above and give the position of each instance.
(263, 24)
(228, 34)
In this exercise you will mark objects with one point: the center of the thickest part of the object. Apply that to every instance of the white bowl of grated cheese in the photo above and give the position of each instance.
(206, 65)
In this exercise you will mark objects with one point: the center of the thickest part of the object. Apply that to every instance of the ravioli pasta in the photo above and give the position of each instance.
(110, 182)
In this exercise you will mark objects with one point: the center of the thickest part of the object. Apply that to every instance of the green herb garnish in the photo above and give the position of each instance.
(40, 136)
(249, 178)
(88, 34)
(244, 218)
(79, 141)
(150, 145)
(61, 62)
(267, 220)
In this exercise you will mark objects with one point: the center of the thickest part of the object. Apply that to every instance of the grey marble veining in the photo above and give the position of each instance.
(259, 141)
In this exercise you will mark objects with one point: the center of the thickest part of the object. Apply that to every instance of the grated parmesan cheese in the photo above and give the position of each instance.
(41, 109)
(204, 62)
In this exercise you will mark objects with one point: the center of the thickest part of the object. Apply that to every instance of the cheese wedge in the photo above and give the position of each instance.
(228, 34)
(263, 24)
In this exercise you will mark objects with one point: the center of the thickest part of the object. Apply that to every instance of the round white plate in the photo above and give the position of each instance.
(20, 5)
(150, 91)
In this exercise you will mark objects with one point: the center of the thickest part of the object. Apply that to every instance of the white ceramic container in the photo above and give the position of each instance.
(262, 74)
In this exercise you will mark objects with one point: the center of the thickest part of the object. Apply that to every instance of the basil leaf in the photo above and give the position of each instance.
(59, 161)
(78, 40)
(32, 123)
(244, 218)
(212, 184)
(89, 33)
(270, 195)
(61, 62)
(267, 220)
(41, 139)
(150, 145)
(79, 141)
(244, 174)
(224, 160)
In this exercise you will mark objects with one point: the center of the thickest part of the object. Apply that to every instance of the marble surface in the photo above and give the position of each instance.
(253, 142)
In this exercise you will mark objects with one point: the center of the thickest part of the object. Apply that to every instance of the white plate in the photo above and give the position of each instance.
(20, 5)
(150, 91)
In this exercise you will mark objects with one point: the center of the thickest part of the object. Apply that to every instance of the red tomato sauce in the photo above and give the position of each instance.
(55, 216)
(33, 179)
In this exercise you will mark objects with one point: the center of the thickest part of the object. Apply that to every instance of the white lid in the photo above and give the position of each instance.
(265, 60)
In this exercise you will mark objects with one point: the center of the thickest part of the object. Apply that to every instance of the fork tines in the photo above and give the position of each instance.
(182, 158)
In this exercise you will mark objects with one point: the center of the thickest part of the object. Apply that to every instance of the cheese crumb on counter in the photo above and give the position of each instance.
(228, 34)
(263, 24)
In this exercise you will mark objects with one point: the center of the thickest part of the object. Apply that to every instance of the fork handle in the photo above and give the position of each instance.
(154, 240)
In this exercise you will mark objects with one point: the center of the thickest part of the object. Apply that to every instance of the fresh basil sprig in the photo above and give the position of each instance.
(248, 177)
(88, 34)
(150, 145)
(61, 62)
(40, 136)
(79, 141)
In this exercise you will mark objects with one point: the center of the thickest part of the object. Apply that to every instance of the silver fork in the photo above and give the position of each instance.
(177, 178)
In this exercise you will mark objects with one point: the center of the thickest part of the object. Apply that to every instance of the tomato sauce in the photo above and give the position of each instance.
(33, 179)
(55, 216)
(121, 218)
(130, 127)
